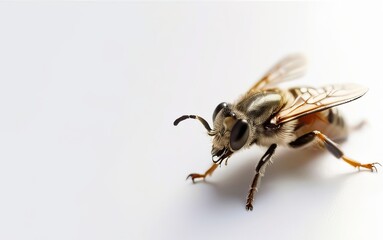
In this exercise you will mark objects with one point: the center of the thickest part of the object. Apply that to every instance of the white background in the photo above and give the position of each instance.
(89, 92)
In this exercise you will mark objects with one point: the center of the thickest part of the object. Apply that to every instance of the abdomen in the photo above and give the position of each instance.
(329, 122)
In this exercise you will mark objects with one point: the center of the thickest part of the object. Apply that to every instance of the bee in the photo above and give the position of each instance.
(268, 116)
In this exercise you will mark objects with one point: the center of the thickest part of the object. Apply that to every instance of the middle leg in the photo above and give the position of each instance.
(259, 172)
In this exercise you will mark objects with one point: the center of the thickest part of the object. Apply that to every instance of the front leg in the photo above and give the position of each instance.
(210, 171)
(259, 172)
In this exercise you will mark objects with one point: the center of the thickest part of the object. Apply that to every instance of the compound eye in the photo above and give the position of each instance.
(239, 134)
(220, 106)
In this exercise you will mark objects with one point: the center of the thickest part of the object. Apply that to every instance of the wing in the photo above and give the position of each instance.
(310, 100)
(289, 68)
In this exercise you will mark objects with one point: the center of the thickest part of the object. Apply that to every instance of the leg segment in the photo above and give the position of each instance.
(208, 172)
(259, 172)
(332, 147)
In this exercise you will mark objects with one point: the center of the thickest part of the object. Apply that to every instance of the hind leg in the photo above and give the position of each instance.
(332, 147)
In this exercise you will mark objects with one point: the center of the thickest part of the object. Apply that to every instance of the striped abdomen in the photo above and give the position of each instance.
(330, 122)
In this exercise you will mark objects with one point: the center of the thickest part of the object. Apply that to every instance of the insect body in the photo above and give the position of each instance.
(271, 117)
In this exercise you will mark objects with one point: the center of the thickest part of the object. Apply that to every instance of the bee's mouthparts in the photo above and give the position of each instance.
(218, 156)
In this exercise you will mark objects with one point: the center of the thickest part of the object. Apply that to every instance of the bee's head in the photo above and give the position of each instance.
(230, 133)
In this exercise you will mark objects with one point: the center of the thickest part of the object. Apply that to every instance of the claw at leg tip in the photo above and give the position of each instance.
(190, 176)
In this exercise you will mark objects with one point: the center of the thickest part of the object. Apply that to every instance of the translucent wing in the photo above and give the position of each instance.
(289, 68)
(310, 100)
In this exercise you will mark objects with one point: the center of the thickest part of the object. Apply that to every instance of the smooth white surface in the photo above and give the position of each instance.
(89, 92)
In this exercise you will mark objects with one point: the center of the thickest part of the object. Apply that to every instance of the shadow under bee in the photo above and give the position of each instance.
(298, 166)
